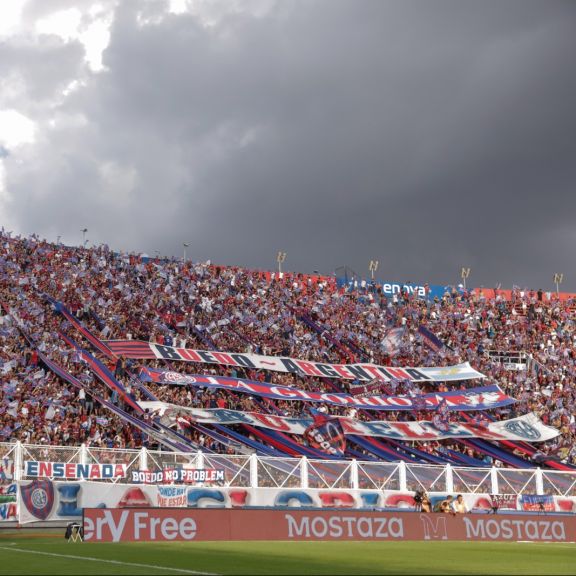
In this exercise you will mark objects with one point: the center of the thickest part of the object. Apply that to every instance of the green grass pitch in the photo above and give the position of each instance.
(41, 553)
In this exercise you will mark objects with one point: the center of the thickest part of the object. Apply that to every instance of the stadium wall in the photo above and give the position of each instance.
(47, 501)
(160, 524)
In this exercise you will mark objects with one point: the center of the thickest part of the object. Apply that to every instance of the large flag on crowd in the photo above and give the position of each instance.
(325, 433)
(527, 428)
(362, 371)
(482, 398)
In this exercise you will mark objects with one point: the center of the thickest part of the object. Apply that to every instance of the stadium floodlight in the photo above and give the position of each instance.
(280, 257)
(558, 277)
(184, 245)
(84, 230)
(373, 266)
(464, 273)
(58, 240)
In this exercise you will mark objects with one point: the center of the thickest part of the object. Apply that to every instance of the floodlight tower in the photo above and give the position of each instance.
(464, 273)
(558, 277)
(280, 257)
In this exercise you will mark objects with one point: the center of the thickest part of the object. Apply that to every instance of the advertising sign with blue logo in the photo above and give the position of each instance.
(390, 288)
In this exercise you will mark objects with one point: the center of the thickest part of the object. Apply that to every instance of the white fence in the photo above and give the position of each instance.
(252, 471)
(511, 359)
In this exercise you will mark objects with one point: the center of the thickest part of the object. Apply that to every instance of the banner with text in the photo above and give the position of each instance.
(165, 525)
(178, 476)
(6, 469)
(8, 502)
(73, 471)
(527, 428)
(482, 398)
(41, 500)
(365, 372)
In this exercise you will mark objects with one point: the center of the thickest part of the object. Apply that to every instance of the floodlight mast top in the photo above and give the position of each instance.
(558, 277)
(464, 273)
(280, 257)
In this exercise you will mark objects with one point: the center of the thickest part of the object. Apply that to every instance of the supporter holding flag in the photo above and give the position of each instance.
(392, 342)
(480, 421)
(371, 387)
(326, 434)
(441, 416)
(418, 402)
(430, 339)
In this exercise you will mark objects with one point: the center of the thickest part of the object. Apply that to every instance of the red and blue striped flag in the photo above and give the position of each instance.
(430, 339)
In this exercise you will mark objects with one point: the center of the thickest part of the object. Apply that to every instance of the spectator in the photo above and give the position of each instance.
(459, 506)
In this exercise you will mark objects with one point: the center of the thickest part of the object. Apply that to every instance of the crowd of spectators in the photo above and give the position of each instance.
(202, 306)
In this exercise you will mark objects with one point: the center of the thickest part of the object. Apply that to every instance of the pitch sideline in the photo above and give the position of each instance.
(106, 561)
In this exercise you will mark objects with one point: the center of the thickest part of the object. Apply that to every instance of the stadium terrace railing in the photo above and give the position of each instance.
(511, 359)
(253, 471)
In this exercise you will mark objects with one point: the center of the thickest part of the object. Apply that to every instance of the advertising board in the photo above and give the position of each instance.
(178, 524)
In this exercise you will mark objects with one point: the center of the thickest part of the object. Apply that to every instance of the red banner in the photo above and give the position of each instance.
(181, 524)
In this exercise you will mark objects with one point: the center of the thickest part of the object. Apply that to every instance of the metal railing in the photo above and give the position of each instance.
(268, 472)
(511, 359)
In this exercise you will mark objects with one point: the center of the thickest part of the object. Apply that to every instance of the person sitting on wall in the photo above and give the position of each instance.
(459, 506)
(444, 506)
(426, 504)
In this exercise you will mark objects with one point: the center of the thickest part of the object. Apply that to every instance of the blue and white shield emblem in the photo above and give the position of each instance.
(523, 429)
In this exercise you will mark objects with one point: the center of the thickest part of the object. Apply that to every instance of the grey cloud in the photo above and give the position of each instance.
(44, 67)
(35, 10)
(428, 135)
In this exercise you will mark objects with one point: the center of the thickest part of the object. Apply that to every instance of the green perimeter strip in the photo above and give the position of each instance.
(299, 557)
(115, 563)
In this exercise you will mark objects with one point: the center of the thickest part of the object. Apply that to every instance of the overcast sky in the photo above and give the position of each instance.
(427, 135)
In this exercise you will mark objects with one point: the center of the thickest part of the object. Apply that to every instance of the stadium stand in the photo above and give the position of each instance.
(63, 384)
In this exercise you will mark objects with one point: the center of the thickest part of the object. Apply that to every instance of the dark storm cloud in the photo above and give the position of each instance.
(428, 135)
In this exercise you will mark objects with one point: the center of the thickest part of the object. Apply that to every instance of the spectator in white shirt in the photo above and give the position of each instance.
(459, 506)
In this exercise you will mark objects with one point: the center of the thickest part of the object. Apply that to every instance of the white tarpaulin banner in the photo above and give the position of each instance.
(526, 428)
(364, 372)
(64, 501)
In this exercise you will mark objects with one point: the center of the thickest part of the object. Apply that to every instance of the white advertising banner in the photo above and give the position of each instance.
(43, 500)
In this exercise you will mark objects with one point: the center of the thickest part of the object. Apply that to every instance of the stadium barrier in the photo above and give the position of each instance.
(161, 524)
(253, 471)
(46, 500)
(39, 483)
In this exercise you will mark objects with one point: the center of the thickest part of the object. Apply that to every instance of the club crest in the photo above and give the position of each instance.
(522, 429)
(38, 497)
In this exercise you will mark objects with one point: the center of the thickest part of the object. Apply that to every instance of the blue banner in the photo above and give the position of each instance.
(483, 398)
(429, 291)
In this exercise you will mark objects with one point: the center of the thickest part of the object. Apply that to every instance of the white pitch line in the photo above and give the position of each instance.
(104, 560)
